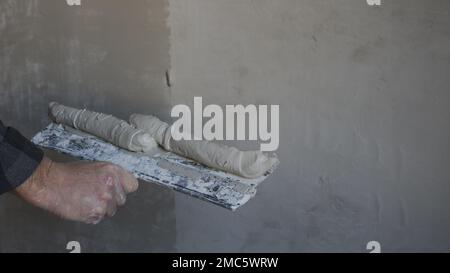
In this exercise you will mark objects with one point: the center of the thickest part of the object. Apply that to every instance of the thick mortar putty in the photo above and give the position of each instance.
(110, 128)
(249, 164)
(141, 138)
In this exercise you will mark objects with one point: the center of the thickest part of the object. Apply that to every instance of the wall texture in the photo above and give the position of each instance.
(364, 101)
(108, 55)
(365, 106)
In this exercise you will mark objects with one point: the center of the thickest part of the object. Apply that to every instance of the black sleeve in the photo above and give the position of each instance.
(18, 158)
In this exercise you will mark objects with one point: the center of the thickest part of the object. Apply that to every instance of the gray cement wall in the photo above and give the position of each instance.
(365, 105)
(109, 55)
(364, 101)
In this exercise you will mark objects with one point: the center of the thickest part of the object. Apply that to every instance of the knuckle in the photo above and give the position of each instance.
(112, 168)
(135, 185)
(107, 196)
(101, 210)
(122, 200)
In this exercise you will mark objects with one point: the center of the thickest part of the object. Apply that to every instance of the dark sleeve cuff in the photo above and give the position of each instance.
(19, 158)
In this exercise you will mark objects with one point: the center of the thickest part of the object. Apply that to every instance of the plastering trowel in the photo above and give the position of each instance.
(159, 166)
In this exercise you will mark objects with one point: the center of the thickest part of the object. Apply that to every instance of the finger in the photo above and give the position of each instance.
(109, 196)
(114, 185)
(119, 193)
(111, 208)
(94, 219)
(128, 181)
(96, 216)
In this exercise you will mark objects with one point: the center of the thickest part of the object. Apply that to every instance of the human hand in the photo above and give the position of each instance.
(85, 192)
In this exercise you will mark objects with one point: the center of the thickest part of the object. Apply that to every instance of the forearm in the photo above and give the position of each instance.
(34, 189)
(19, 158)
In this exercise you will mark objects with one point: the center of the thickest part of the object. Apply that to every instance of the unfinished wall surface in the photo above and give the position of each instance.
(364, 104)
(106, 55)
